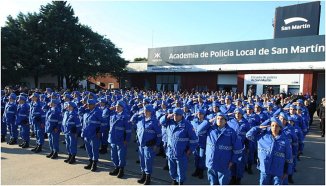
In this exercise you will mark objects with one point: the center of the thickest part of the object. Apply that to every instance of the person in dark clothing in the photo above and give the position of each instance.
(321, 116)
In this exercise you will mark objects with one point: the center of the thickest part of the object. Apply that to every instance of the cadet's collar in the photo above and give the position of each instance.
(221, 129)
(148, 119)
(180, 123)
(119, 113)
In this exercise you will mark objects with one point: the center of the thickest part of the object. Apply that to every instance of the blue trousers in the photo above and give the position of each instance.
(71, 143)
(266, 179)
(118, 155)
(146, 157)
(24, 132)
(92, 145)
(252, 150)
(237, 169)
(104, 137)
(200, 158)
(178, 168)
(54, 141)
(3, 128)
(39, 134)
(216, 177)
(13, 130)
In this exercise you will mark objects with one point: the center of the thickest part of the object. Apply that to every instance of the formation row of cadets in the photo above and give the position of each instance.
(214, 132)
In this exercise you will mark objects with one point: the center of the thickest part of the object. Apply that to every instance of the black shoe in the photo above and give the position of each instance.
(233, 180)
(68, 158)
(201, 174)
(121, 173)
(238, 181)
(180, 183)
(82, 146)
(89, 166)
(49, 156)
(34, 149)
(32, 134)
(22, 144)
(46, 136)
(94, 166)
(104, 149)
(174, 182)
(249, 170)
(63, 142)
(322, 135)
(114, 172)
(3, 138)
(72, 159)
(39, 149)
(290, 178)
(142, 178)
(12, 141)
(196, 173)
(148, 179)
(137, 161)
(54, 156)
(26, 145)
(166, 166)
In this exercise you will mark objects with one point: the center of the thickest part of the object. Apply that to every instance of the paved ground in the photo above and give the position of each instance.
(23, 167)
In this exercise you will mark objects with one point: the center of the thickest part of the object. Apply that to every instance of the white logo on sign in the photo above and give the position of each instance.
(294, 19)
(157, 55)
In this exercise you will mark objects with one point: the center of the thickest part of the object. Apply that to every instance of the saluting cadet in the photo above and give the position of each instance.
(9, 118)
(104, 126)
(259, 111)
(22, 120)
(119, 137)
(37, 121)
(200, 149)
(241, 127)
(228, 107)
(149, 137)
(53, 122)
(71, 128)
(274, 152)
(181, 142)
(91, 133)
(223, 149)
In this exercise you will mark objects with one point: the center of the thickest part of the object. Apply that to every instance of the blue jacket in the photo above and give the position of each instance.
(106, 112)
(22, 114)
(289, 132)
(242, 128)
(92, 123)
(53, 120)
(181, 136)
(225, 110)
(71, 123)
(120, 128)
(9, 115)
(36, 113)
(253, 119)
(222, 147)
(274, 154)
(148, 131)
(202, 134)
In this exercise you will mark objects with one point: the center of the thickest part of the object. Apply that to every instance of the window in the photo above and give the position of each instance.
(167, 82)
(46, 85)
(111, 86)
(251, 90)
(294, 89)
(271, 89)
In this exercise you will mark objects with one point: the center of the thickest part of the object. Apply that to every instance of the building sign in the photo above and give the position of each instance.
(297, 20)
(293, 49)
(273, 79)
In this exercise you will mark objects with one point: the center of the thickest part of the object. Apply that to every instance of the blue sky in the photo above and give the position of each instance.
(136, 26)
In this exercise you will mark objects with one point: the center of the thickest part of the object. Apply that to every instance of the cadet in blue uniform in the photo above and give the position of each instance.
(228, 107)
(71, 127)
(104, 126)
(200, 149)
(119, 136)
(52, 126)
(274, 152)
(223, 149)
(22, 120)
(181, 142)
(91, 133)
(9, 118)
(149, 137)
(3, 123)
(37, 121)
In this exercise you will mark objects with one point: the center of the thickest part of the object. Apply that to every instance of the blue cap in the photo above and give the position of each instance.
(293, 106)
(67, 96)
(54, 101)
(146, 100)
(120, 103)
(165, 103)
(300, 101)
(70, 103)
(215, 104)
(270, 104)
(299, 108)
(35, 94)
(239, 99)
(238, 110)
(249, 107)
(12, 96)
(273, 99)
(178, 111)
(290, 119)
(91, 101)
(103, 100)
(277, 121)
(20, 97)
(48, 89)
(259, 104)
(202, 111)
(284, 116)
(149, 108)
(228, 97)
(169, 111)
(221, 114)
(187, 105)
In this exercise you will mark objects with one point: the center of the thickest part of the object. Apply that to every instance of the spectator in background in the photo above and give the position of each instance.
(321, 116)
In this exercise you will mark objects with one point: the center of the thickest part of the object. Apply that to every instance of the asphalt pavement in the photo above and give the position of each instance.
(23, 167)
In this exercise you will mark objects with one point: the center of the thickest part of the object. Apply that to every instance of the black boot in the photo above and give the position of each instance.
(49, 156)
(196, 173)
(94, 166)
(233, 180)
(290, 178)
(89, 166)
(68, 158)
(142, 178)
(39, 149)
(72, 159)
(174, 182)
(201, 174)
(180, 183)
(13, 141)
(114, 172)
(238, 181)
(82, 146)
(46, 136)
(104, 149)
(34, 149)
(3, 138)
(166, 166)
(22, 144)
(26, 145)
(249, 169)
(32, 134)
(148, 179)
(121, 173)
(54, 156)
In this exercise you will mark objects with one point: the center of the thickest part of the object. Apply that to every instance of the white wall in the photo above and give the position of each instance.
(42, 79)
(227, 79)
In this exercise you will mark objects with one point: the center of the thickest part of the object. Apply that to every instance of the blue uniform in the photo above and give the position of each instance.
(120, 131)
(36, 117)
(222, 148)
(90, 132)
(253, 120)
(274, 154)
(201, 148)
(71, 126)
(149, 134)
(3, 123)
(226, 109)
(9, 118)
(52, 127)
(105, 126)
(22, 120)
(180, 138)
